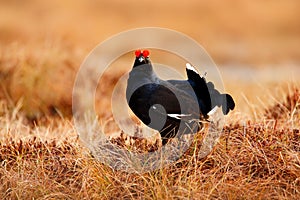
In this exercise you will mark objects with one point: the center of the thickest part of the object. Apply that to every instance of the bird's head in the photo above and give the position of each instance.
(141, 58)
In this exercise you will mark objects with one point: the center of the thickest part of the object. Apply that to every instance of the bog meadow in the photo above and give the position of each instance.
(255, 46)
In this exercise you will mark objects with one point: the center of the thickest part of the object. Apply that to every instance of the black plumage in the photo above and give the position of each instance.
(173, 105)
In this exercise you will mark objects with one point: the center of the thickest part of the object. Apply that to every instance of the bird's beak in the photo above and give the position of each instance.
(141, 59)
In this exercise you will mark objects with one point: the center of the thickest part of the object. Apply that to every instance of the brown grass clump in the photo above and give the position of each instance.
(32, 168)
(41, 78)
(136, 144)
(251, 161)
(291, 106)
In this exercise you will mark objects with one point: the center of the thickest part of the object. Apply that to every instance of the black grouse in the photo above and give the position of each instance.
(172, 106)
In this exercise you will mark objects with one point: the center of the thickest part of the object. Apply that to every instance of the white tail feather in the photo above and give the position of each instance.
(210, 113)
(178, 116)
(190, 67)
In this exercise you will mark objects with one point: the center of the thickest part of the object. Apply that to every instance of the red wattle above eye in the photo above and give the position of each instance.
(138, 53)
(146, 53)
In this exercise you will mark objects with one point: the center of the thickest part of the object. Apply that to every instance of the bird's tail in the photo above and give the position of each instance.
(200, 87)
(221, 100)
(227, 104)
(207, 93)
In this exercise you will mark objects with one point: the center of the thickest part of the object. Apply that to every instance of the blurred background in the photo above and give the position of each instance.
(255, 44)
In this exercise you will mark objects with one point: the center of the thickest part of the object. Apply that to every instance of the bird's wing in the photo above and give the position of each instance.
(183, 85)
(176, 103)
(180, 84)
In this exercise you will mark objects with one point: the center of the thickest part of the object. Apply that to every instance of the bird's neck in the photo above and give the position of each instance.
(142, 70)
(142, 74)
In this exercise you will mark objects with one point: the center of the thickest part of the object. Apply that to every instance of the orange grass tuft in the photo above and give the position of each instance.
(289, 106)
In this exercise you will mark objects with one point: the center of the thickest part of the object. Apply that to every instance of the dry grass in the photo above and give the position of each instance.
(251, 161)
(287, 109)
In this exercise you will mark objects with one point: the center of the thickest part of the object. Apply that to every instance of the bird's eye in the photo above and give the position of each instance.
(146, 53)
(138, 53)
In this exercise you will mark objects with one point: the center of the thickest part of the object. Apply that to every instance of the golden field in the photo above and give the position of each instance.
(255, 46)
